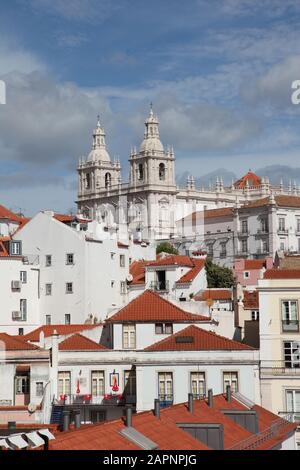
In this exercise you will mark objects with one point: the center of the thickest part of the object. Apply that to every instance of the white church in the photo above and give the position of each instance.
(150, 203)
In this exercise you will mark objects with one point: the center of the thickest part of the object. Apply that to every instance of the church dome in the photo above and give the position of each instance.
(99, 151)
(151, 140)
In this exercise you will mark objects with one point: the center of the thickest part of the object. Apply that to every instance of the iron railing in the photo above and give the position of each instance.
(287, 367)
(160, 286)
(290, 325)
(291, 416)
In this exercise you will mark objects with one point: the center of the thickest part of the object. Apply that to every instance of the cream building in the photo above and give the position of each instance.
(151, 203)
(279, 297)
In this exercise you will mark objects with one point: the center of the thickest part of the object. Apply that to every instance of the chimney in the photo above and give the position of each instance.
(77, 419)
(228, 393)
(66, 420)
(210, 398)
(128, 421)
(157, 408)
(190, 403)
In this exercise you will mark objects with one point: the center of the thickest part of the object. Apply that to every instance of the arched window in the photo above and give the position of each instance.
(107, 180)
(88, 181)
(162, 172)
(141, 172)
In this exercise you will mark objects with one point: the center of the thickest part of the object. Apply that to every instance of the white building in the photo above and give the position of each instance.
(83, 269)
(151, 203)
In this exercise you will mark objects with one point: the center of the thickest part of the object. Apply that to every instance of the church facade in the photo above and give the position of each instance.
(150, 203)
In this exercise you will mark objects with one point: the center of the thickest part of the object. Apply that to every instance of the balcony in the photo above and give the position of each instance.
(165, 400)
(243, 234)
(280, 368)
(160, 286)
(290, 325)
(291, 416)
(282, 231)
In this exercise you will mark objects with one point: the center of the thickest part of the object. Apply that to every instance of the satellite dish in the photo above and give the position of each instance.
(31, 407)
(129, 278)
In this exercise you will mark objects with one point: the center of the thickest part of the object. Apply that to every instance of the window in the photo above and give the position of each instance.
(289, 312)
(230, 378)
(265, 246)
(122, 261)
(298, 225)
(70, 258)
(293, 403)
(22, 384)
(245, 226)
(112, 255)
(128, 336)
(48, 319)
(223, 249)
(264, 225)
(162, 172)
(291, 354)
(107, 180)
(23, 309)
(164, 328)
(39, 389)
(246, 274)
(69, 287)
(129, 382)
(298, 245)
(98, 384)
(244, 246)
(282, 244)
(21, 331)
(64, 383)
(48, 289)
(282, 224)
(48, 260)
(87, 181)
(123, 287)
(67, 319)
(198, 388)
(165, 388)
(254, 315)
(140, 172)
(210, 250)
(23, 277)
(15, 248)
(112, 283)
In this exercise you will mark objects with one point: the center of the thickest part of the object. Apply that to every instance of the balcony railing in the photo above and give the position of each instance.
(291, 416)
(160, 286)
(282, 231)
(165, 400)
(290, 325)
(243, 233)
(257, 440)
(277, 368)
(89, 399)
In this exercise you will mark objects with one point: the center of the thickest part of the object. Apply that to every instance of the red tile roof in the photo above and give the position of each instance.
(150, 307)
(255, 264)
(172, 260)
(251, 300)
(62, 330)
(137, 270)
(78, 342)
(166, 433)
(199, 264)
(67, 218)
(3, 247)
(193, 338)
(7, 214)
(282, 274)
(281, 201)
(14, 343)
(250, 178)
(214, 294)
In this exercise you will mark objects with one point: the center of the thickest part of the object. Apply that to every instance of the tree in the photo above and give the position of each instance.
(218, 276)
(166, 247)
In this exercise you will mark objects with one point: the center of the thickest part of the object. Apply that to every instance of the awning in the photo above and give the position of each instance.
(34, 439)
(17, 441)
(47, 433)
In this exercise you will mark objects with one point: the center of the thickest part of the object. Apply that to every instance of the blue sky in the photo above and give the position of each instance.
(219, 73)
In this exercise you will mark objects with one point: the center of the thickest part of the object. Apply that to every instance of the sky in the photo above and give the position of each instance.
(218, 73)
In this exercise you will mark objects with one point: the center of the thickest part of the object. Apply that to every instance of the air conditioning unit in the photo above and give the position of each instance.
(16, 315)
(16, 284)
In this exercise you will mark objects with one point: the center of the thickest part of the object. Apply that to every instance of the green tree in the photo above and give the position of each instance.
(217, 276)
(166, 247)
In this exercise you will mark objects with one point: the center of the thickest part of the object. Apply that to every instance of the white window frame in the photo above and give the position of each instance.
(63, 383)
(198, 384)
(70, 259)
(231, 378)
(23, 277)
(48, 288)
(98, 383)
(129, 336)
(68, 289)
(48, 260)
(23, 309)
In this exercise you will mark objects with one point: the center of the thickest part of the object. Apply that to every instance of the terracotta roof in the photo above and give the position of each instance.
(251, 300)
(249, 178)
(66, 218)
(7, 214)
(214, 294)
(150, 307)
(290, 262)
(199, 264)
(137, 270)
(3, 247)
(282, 274)
(122, 245)
(193, 338)
(166, 433)
(13, 343)
(78, 342)
(281, 201)
(62, 330)
(172, 260)
(255, 264)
